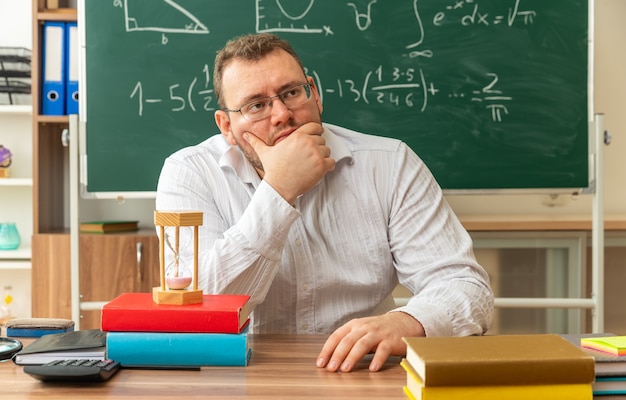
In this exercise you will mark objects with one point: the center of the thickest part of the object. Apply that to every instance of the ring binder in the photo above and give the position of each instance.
(53, 71)
(71, 89)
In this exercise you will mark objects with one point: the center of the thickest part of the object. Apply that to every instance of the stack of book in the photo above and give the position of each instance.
(141, 333)
(501, 367)
(609, 352)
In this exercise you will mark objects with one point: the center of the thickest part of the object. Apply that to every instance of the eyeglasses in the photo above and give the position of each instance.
(261, 108)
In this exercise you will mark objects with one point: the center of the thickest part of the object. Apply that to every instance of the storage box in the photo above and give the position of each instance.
(15, 70)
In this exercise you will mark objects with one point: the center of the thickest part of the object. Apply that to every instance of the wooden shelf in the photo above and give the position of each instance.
(52, 119)
(59, 14)
(538, 223)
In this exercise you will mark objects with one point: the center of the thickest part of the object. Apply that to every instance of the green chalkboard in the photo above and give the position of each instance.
(492, 94)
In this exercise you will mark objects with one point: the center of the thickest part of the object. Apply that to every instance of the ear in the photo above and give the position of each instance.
(316, 95)
(223, 123)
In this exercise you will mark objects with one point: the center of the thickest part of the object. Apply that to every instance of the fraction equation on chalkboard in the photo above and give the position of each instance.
(405, 88)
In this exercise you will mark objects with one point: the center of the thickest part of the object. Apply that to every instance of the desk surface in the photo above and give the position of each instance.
(281, 367)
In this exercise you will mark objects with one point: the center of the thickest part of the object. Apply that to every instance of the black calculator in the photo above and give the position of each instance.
(74, 370)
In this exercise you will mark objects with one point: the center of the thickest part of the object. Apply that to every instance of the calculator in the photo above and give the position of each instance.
(74, 370)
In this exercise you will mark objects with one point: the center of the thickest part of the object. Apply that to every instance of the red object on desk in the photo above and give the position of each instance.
(137, 312)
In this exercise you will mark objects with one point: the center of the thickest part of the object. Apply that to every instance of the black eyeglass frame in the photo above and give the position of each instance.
(270, 99)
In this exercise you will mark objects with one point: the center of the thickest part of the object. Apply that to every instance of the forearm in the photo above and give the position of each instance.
(434, 259)
(245, 258)
(241, 239)
(459, 306)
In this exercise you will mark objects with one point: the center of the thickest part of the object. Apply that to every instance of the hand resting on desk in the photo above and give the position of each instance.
(380, 334)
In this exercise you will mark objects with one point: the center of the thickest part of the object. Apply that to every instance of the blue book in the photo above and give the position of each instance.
(37, 327)
(34, 332)
(607, 385)
(178, 350)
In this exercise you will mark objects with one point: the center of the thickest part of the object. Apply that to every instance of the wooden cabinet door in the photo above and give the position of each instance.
(50, 276)
(112, 264)
(116, 263)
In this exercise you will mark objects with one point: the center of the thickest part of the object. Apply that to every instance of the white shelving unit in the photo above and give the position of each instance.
(27, 182)
(16, 110)
(19, 254)
(16, 204)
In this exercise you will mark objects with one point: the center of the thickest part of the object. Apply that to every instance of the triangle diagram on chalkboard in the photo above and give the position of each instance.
(161, 16)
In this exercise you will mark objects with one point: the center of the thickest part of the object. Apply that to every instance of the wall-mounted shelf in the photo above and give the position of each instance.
(16, 109)
(21, 253)
(52, 119)
(27, 182)
(59, 14)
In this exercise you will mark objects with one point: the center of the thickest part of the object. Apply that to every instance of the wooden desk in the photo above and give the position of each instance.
(281, 367)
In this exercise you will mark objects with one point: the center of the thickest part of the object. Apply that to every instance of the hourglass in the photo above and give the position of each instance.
(177, 276)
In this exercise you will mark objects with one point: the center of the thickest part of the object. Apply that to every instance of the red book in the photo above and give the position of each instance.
(137, 312)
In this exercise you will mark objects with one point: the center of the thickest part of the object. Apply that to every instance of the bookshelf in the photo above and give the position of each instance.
(16, 198)
(109, 264)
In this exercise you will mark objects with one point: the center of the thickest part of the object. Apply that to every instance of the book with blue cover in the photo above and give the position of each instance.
(609, 385)
(37, 327)
(178, 350)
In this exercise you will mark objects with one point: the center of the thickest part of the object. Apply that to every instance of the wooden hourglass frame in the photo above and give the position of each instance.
(162, 294)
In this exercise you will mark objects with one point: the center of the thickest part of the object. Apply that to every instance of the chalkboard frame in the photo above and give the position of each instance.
(114, 193)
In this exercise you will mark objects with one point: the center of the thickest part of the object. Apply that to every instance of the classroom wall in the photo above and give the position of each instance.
(15, 23)
(609, 87)
(609, 98)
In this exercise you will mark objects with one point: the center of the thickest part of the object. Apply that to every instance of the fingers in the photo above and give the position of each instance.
(381, 335)
(352, 348)
(331, 355)
(346, 347)
(293, 164)
(253, 141)
(380, 356)
(312, 128)
(323, 151)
